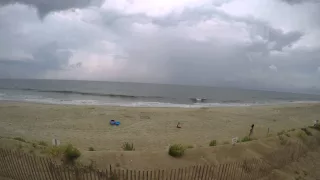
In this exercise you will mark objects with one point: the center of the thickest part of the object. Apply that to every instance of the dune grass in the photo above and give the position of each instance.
(128, 147)
(19, 139)
(213, 143)
(246, 139)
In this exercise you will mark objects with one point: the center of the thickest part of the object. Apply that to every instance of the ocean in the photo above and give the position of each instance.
(139, 94)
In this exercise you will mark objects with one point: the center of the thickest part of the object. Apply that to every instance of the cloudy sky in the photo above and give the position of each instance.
(273, 44)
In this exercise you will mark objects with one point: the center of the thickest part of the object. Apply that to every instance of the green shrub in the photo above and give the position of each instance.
(34, 145)
(19, 139)
(127, 147)
(246, 139)
(42, 143)
(306, 131)
(71, 153)
(91, 149)
(213, 143)
(176, 150)
(293, 129)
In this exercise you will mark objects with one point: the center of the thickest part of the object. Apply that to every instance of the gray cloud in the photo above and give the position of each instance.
(46, 6)
(300, 1)
(48, 57)
(198, 45)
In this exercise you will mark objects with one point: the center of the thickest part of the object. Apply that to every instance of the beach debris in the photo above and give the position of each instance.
(113, 122)
(55, 142)
(198, 100)
(178, 125)
(234, 140)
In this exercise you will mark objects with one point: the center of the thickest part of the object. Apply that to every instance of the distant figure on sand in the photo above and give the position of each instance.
(178, 125)
(251, 130)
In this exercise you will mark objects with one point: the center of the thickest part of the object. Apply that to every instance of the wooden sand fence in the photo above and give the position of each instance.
(21, 166)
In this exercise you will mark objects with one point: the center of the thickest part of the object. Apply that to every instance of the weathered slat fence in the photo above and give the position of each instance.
(21, 166)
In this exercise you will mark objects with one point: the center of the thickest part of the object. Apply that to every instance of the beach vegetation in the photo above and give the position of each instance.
(19, 139)
(246, 139)
(71, 153)
(55, 151)
(176, 150)
(306, 131)
(281, 132)
(316, 127)
(128, 147)
(34, 145)
(91, 149)
(293, 129)
(68, 152)
(283, 141)
(43, 143)
(31, 151)
(213, 143)
(302, 135)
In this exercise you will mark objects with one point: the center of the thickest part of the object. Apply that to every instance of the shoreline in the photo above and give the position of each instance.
(166, 105)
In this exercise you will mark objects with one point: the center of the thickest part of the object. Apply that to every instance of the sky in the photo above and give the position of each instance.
(257, 44)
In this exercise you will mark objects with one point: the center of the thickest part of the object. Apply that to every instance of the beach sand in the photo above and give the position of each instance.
(147, 128)
(152, 130)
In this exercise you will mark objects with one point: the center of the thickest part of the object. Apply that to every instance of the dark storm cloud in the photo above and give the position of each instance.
(46, 6)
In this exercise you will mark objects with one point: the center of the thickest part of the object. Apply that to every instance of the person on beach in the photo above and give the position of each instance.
(251, 130)
(178, 125)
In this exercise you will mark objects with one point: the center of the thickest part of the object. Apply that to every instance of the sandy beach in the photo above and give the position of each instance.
(148, 128)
